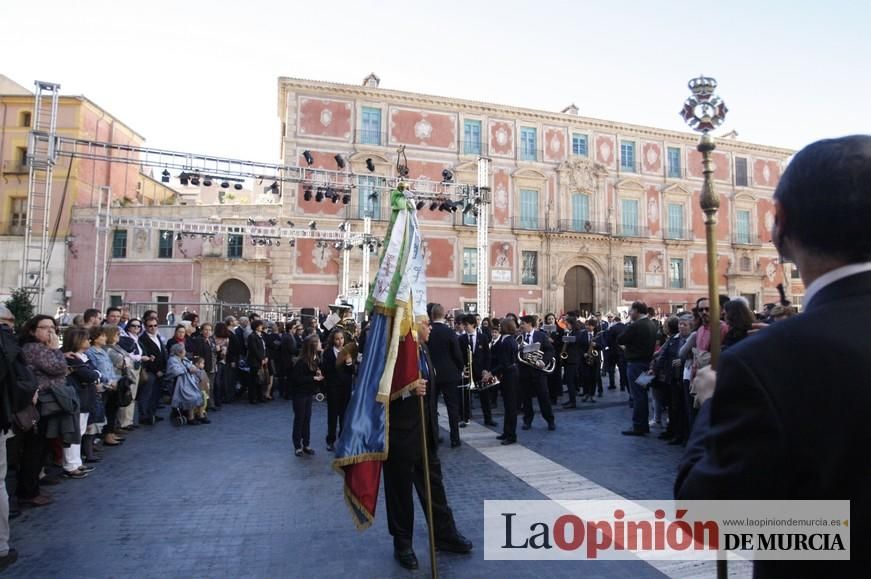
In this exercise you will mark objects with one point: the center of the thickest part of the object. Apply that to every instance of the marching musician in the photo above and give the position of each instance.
(474, 341)
(337, 366)
(503, 365)
(554, 379)
(533, 381)
(590, 374)
(574, 357)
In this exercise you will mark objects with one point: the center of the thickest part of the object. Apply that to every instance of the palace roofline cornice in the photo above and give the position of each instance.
(405, 97)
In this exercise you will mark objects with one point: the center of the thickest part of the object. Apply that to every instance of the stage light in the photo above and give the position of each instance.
(443, 206)
(178, 236)
(434, 205)
(207, 182)
(224, 184)
(346, 198)
(290, 223)
(269, 242)
(308, 158)
(195, 181)
(307, 195)
(273, 222)
(261, 242)
(253, 241)
(237, 186)
(340, 161)
(343, 226)
(183, 178)
(452, 207)
(277, 243)
(320, 195)
(164, 177)
(312, 225)
(274, 188)
(420, 205)
(292, 242)
(252, 221)
(370, 165)
(447, 176)
(338, 245)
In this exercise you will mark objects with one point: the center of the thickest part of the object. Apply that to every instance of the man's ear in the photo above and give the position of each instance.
(777, 230)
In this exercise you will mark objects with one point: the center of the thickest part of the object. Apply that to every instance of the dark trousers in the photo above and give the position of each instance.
(451, 396)
(677, 414)
(588, 380)
(255, 389)
(508, 384)
(554, 383)
(624, 373)
(31, 449)
(337, 401)
(400, 475)
(570, 375)
(148, 395)
(534, 384)
(302, 420)
(611, 367)
(111, 399)
(640, 410)
(486, 397)
(465, 400)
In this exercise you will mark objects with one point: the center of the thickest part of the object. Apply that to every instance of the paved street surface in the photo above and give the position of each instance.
(230, 500)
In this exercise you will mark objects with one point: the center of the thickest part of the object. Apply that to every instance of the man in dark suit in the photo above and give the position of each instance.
(614, 356)
(448, 366)
(533, 381)
(403, 469)
(639, 341)
(154, 365)
(258, 360)
(787, 414)
(575, 348)
(477, 342)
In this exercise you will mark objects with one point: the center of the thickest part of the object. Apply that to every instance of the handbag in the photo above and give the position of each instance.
(48, 404)
(124, 392)
(26, 420)
(262, 376)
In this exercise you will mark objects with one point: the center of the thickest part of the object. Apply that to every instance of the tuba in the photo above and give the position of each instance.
(532, 356)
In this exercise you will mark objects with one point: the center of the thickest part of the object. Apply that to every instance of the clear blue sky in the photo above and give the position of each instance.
(201, 76)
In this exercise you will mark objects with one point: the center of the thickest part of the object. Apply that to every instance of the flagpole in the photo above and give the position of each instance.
(430, 522)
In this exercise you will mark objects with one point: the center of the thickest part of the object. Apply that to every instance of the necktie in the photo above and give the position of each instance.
(529, 338)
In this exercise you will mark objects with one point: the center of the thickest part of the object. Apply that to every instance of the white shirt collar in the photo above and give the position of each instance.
(831, 277)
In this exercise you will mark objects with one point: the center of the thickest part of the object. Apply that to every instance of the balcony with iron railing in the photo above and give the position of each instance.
(15, 228)
(630, 230)
(584, 226)
(528, 223)
(675, 234)
(746, 238)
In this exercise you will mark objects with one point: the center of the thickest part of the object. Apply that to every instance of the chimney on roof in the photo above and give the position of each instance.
(571, 110)
(371, 81)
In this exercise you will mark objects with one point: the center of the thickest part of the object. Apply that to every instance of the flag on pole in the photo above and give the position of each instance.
(390, 364)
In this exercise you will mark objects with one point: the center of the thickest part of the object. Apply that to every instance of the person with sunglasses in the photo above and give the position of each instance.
(154, 365)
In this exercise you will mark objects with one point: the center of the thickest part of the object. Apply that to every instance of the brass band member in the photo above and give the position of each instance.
(574, 358)
(503, 365)
(474, 341)
(532, 380)
(554, 379)
(337, 367)
(590, 374)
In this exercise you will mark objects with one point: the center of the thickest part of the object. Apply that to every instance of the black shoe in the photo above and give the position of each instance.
(526, 426)
(666, 435)
(490, 423)
(508, 441)
(308, 450)
(569, 405)
(14, 514)
(600, 393)
(551, 425)
(158, 418)
(454, 544)
(8, 559)
(612, 387)
(633, 432)
(331, 447)
(500, 437)
(406, 557)
(455, 443)
(462, 424)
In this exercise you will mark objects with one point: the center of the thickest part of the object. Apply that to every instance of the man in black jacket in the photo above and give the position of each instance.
(475, 341)
(154, 365)
(448, 366)
(614, 356)
(403, 469)
(533, 381)
(639, 341)
(787, 415)
(258, 359)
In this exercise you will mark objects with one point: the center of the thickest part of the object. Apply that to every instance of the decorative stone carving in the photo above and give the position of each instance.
(501, 136)
(652, 156)
(583, 173)
(766, 174)
(321, 256)
(423, 129)
(769, 220)
(326, 117)
(652, 210)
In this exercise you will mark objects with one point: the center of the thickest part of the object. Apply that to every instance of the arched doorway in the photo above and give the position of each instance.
(580, 290)
(234, 291)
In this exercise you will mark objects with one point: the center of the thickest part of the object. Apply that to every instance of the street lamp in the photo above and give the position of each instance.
(704, 111)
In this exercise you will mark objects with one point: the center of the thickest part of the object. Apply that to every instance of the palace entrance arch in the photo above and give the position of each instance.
(234, 291)
(580, 290)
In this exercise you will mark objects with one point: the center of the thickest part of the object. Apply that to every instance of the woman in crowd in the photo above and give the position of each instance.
(257, 361)
(662, 368)
(179, 336)
(338, 371)
(202, 345)
(221, 391)
(307, 377)
(129, 343)
(186, 395)
(740, 320)
(84, 377)
(40, 348)
(98, 353)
